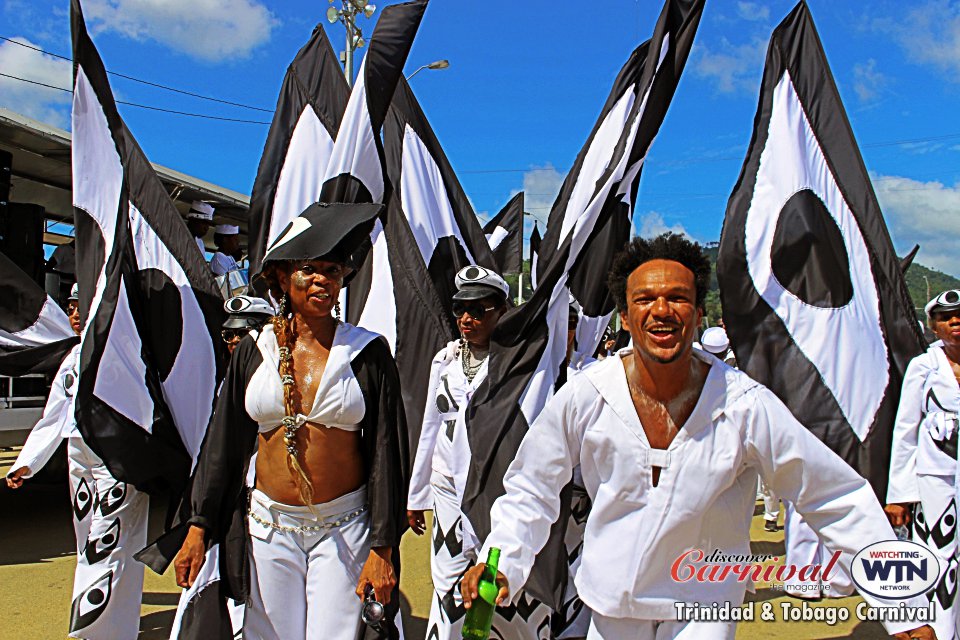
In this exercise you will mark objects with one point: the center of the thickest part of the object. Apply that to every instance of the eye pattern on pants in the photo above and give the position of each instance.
(945, 528)
(90, 604)
(112, 500)
(82, 500)
(946, 590)
(97, 549)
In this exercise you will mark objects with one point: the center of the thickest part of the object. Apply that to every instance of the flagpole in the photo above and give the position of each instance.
(520, 288)
(348, 16)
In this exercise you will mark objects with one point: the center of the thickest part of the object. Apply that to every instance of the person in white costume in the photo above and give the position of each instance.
(442, 458)
(199, 221)
(227, 239)
(923, 463)
(670, 441)
(110, 517)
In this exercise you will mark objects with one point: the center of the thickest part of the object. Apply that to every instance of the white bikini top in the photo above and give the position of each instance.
(339, 402)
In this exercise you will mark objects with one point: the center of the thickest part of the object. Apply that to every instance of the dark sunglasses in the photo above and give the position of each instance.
(229, 335)
(475, 309)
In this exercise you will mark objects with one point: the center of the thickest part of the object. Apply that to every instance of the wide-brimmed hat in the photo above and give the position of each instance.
(337, 232)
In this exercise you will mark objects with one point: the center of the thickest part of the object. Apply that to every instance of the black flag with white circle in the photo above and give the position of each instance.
(505, 235)
(151, 356)
(813, 297)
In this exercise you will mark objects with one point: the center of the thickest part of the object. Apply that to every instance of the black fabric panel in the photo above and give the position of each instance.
(760, 340)
(44, 359)
(509, 255)
(808, 255)
(535, 240)
(588, 277)
(21, 299)
(315, 78)
(90, 247)
(206, 616)
(344, 188)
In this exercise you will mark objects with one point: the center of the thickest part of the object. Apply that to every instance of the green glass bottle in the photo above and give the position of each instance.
(476, 625)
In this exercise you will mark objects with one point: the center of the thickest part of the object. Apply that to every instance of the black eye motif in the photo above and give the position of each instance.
(112, 500)
(946, 590)
(82, 500)
(90, 604)
(69, 383)
(97, 549)
(943, 531)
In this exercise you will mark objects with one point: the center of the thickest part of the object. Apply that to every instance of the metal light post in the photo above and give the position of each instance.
(436, 64)
(348, 16)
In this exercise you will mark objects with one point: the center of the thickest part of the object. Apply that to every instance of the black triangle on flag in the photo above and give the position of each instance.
(430, 233)
(298, 148)
(35, 333)
(535, 241)
(505, 236)
(528, 347)
(813, 297)
(151, 358)
(649, 77)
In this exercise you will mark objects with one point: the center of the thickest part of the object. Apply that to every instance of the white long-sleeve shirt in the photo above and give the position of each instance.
(704, 498)
(441, 447)
(57, 421)
(222, 263)
(926, 424)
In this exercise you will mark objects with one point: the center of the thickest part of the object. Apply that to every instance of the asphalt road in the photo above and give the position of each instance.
(37, 559)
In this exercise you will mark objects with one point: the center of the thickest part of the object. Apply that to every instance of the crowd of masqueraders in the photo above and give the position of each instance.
(299, 498)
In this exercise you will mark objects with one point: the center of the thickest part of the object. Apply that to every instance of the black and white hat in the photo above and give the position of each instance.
(947, 301)
(200, 210)
(336, 232)
(74, 292)
(247, 311)
(475, 283)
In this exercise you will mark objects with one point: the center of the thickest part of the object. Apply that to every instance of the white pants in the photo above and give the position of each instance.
(935, 527)
(771, 503)
(110, 521)
(529, 619)
(804, 547)
(303, 583)
(604, 628)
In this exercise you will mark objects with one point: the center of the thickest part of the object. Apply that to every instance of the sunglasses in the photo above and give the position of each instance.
(475, 309)
(229, 335)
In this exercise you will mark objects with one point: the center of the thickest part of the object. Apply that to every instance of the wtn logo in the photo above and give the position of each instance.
(895, 569)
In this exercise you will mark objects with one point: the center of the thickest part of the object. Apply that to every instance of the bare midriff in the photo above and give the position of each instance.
(330, 458)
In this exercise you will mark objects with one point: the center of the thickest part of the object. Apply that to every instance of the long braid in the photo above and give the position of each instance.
(287, 336)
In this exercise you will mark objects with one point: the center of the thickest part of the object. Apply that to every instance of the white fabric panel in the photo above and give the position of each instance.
(380, 312)
(830, 338)
(355, 151)
(494, 239)
(589, 332)
(424, 198)
(189, 388)
(302, 174)
(121, 376)
(97, 171)
(52, 325)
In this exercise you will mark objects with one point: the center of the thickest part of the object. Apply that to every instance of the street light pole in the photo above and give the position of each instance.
(348, 16)
(436, 64)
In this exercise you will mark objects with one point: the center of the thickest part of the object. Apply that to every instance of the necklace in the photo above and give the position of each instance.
(471, 366)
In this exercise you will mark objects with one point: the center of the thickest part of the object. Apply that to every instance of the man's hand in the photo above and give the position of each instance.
(898, 514)
(378, 573)
(15, 478)
(468, 586)
(921, 633)
(418, 524)
(190, 558)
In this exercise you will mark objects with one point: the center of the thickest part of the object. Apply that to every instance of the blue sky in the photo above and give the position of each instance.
(525, 84)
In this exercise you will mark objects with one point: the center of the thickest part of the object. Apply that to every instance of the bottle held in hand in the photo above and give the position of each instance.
(479, 618)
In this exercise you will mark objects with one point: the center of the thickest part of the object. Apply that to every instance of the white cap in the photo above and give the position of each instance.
(74, 292)
(226, 229)
(475, 283)
(715, 340)
(947, 301)
(200, 210)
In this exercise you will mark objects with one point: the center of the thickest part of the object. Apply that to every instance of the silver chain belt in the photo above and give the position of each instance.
(353, 515)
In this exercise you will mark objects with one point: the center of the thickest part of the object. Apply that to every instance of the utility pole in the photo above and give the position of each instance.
(348, 16)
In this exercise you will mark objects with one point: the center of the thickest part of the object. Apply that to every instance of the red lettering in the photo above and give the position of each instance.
(830, 566)
(689, 570)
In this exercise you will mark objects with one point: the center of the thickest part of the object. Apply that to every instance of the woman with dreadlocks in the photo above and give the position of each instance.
(319, 401)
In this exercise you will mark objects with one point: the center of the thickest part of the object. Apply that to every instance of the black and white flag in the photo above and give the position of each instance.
(649, 77)
(298, 148)
(151, 357)
(535, 241)
(813, 296)
(431, 232)
(505, 236)
(529, 344)
(35, 333)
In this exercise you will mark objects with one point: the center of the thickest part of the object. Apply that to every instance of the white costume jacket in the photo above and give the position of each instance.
(704, 498)
(925, 434)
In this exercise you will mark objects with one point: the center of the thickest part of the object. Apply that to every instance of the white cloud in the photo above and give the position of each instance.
(752, 11)
(868, 82)
(652, 224)
(540, 188)
(929, 33)
(731, 67)
(924, 213)
(37, 102)
(209, 30)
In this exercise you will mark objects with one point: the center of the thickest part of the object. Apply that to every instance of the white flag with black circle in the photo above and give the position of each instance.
(813, 296)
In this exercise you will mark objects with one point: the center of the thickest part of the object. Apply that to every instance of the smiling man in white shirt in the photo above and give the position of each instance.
(670, 441)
